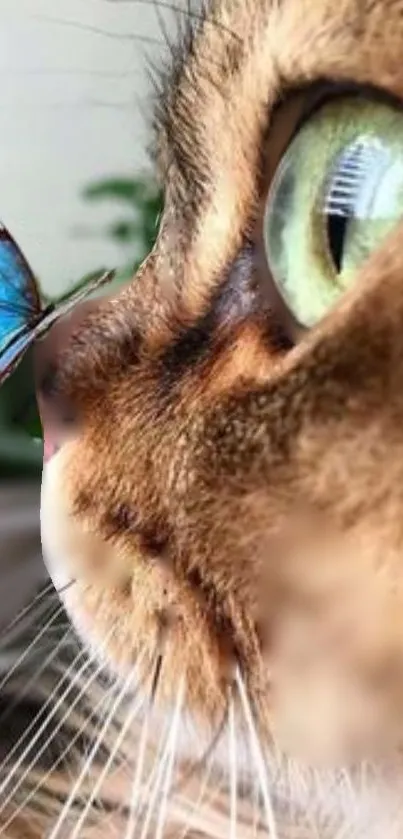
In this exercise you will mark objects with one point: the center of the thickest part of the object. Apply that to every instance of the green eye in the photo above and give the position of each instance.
(336, 195)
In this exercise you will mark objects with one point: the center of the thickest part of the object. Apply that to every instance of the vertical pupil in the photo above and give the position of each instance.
(342, 193)
(336, 229)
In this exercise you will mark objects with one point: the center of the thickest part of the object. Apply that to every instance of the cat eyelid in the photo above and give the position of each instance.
(322, 92)
(299, 105)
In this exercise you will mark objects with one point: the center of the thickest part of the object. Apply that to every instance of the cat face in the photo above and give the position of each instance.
(226, 496)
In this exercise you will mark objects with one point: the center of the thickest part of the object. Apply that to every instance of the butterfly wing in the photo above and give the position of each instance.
(22, 317)
(11, 354)
(59, 310)
(20, 304)
(34, 323)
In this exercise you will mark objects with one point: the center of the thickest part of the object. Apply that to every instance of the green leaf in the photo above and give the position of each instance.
(20, 427)
(125, 231)
(120, 189)
(20, 454)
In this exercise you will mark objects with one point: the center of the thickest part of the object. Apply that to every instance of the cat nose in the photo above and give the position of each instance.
(57, 412)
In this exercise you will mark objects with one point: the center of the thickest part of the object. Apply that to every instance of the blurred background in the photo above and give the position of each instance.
(77, 192)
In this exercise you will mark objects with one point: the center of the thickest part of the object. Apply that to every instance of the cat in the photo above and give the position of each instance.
(220, 508)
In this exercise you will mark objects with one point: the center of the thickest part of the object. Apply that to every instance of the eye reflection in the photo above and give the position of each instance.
(336, 195)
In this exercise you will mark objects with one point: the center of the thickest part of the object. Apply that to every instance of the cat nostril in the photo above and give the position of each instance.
(56, 430)
(57, 415)
(47, 381)
(56, 412)
(50, 448)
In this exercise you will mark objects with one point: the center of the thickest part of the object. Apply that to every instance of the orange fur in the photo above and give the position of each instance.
(222, 493)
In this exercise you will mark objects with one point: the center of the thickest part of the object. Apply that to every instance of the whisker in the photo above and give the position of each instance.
(256, 809)
(38, 599)
(88, 763)
(57, 71)
(138, 775)
(196, 805)
(35, 678)
(57, 629)
(30, 646)
(233, 770)
(258, 757)
(89, 662)
(164, 766)
(41, 730)
(79, 103)
(200, 762)
(188, 13)
(119, 740)
(40, 713)
(135, 797)
(102, 701)
(66, 587)
(171, 759)
(156, 678)
(41, 603)
(51, 737)
(106, 33)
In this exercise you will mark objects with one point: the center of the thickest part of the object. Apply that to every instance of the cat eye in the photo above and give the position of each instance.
(336, 194)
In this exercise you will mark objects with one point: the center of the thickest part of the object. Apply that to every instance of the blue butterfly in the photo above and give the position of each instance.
(23, 317)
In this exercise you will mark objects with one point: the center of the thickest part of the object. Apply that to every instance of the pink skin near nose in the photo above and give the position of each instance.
(47, 353)
(49, 449)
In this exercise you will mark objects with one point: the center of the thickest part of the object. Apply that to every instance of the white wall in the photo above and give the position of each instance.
(71, 103)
